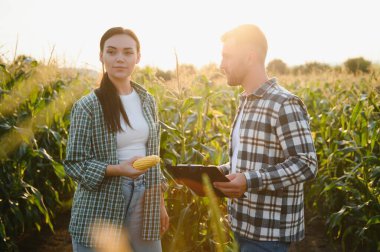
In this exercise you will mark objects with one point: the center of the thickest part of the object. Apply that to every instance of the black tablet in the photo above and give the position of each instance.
(191, 176)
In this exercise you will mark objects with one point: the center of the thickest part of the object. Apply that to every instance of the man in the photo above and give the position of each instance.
(271, 150)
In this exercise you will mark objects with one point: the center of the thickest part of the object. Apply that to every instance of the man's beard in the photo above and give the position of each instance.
(235, 80)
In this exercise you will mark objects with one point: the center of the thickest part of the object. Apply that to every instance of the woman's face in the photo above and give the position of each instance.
(119, 56)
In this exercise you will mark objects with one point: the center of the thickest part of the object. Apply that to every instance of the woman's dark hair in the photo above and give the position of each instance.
(107, 92)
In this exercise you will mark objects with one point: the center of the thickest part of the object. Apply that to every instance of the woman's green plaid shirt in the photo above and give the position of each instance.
(98, 201)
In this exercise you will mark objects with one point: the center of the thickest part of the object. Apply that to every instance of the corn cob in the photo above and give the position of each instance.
(146, 162)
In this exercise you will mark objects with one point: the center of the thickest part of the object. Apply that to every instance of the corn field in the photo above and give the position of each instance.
(196, 111)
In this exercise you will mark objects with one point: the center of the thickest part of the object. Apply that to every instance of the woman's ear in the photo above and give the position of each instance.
(138, 58)
(101, 57)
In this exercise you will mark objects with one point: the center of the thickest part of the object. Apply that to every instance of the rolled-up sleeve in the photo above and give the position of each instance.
(80, 163)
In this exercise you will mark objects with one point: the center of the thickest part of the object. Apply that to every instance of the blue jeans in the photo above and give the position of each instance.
(248, 245)
(133, 192)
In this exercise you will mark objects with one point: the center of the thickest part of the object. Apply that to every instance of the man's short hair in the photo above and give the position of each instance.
(248, 34)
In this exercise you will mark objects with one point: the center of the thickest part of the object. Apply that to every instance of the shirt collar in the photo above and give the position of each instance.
(142, 92)
(260, 92)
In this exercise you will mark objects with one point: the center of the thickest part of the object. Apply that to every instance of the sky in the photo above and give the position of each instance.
(298, 31)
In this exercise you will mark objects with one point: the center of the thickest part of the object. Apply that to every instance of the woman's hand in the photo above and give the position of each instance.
(125, 168)
(164, 217)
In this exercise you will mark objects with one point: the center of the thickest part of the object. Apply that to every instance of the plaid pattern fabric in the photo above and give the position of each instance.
(98, 202)
(277, 155)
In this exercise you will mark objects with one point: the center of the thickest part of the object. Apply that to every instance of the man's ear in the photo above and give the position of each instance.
(252, 56)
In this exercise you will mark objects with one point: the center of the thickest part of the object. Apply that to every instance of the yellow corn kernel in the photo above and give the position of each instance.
(146, 162)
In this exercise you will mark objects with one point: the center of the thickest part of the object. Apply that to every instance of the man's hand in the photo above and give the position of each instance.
(235, 188)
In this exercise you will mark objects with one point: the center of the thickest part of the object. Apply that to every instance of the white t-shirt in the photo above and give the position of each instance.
(132, 141)
(236, 139)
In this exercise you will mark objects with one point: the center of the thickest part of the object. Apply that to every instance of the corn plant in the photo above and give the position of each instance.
(195, 121)
(34, 116)
(346, 127)
(195, 118)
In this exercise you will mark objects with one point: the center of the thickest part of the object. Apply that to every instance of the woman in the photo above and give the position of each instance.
(110, 128)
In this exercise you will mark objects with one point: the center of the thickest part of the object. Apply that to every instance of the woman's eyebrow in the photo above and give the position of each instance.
(125, 48)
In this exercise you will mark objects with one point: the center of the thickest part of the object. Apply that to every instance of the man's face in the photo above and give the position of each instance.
(119, 56)
(234, 62)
